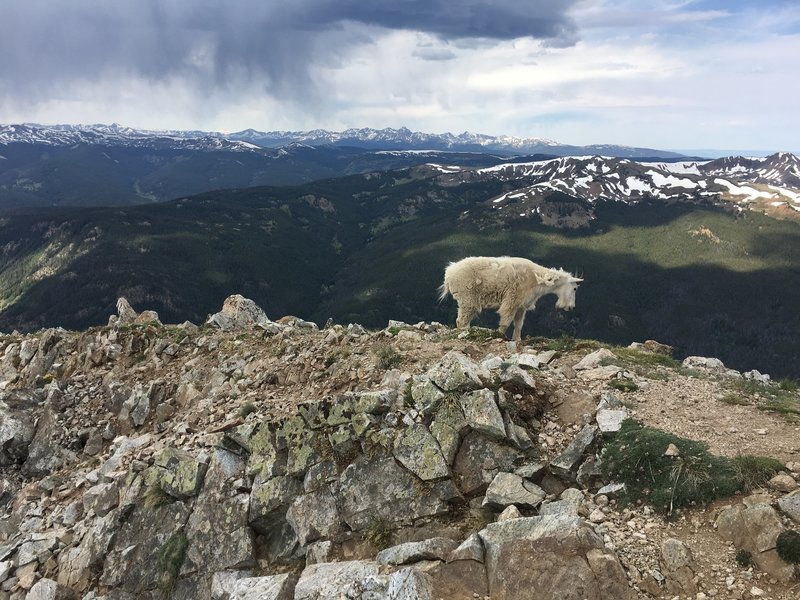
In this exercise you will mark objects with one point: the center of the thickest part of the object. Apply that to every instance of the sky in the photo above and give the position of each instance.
(677, 74)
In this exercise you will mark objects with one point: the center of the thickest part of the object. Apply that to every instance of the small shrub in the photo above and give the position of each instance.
(754, 471)
(387, 357)
(788, 385)
(564, 343)
(734, 399)
(744, 558)
(788, 546)
(640, 358)
(379, 533)
(623, 385)
(482, 334)
(636, 458)
(155, 496)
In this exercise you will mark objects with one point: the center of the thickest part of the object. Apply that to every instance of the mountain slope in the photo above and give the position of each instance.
(366, 248)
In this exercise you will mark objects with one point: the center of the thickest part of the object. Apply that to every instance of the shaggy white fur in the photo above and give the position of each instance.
(509, 284)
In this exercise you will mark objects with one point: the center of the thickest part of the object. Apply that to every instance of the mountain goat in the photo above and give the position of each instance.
(511, 285)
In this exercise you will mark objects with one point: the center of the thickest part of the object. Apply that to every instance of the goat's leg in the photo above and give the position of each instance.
(506, 316)
(519, 319)
(466, 313)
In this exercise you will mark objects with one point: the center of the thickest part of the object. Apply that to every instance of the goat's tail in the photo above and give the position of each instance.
(443, 291)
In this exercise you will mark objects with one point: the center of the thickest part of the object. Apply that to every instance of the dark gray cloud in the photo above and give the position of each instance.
(47, 44)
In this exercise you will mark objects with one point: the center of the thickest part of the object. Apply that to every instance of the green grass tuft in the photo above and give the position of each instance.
(170, 559)
(386, 356)
(754, 471)
(623, 385)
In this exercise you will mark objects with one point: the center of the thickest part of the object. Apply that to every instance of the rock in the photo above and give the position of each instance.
(267, 498)
(378, 489)
(590, 473)
(711, 365)
(672, 450)
(418, 451)
(570, 502)
(217, 531)
(532, 471)
(319, 552)
(438, 548)
(593, 360)
(179, 474)
(568, 461)
(482, 414)
(517, 377)
(447, 427)
(653, 346)
(610, 401)
(756, 529)
(47, 589)
(314, 516)
(507, 488)
(597, 516)
(572, 406)
(510, 512)
(16, 430)
(456, 372)
(790, 505)
(77, 566)
(612, 490)
(469, 549)
(679, 567)
(754, 375)
(148, 316)
(45, 455)
(610, 421)
(239, 312)
(101, 498)
(561, 557)
(222, 583)
(274, 587)
(332, 581)
(125, 313)
(408, 584)
(479, 460)
(425, 394)
(782, 482)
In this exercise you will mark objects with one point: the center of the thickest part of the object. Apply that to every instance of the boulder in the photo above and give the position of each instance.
(469, 549)
(374, 489)
(239, 312)
(479, 460)
(47, 589)
(482, 414)
(361, 580)
(314, 516)
(274, 587)
(561, 557)
(447, 427)
(418, 451)
(438, 548)
(426, 396)
(16, 431)
(568, 461)
(508, 488)
(45, 455)
(609, 421)
(178, 473)
(593, 359)
(755, 529)
(678, 565)
(457, 372)
(790, 506)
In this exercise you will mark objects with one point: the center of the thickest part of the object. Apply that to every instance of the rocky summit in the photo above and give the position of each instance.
(250, 458)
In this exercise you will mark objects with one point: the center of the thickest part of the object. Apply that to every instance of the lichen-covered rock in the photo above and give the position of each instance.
(425, 394)
(438, 548)
(561, 557)
(508, 488)
(457, 372)
(418, 451)
(447, 427)
(478, 461)
(756, 529)
(217, 531)
(331, 581)
(482, 414)
(239, 312)
(269, 499)
(374, 489)
(178, 473)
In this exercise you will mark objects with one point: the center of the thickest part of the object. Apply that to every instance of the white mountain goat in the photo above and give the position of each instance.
(511, 285)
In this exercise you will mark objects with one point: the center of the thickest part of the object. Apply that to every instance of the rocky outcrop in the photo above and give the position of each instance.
(239, 312)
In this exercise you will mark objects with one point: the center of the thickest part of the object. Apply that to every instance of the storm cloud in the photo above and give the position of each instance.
(47, 46)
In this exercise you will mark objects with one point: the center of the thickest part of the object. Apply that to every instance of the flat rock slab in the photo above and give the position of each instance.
(418, 451)
(508, 488)
(482, 414)
(438, 548)
(275, 587)
(457, 372)
(610, 420)
(569, 460)
(593, 360)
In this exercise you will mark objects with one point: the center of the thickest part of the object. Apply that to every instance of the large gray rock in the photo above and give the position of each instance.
(139, 559)
(561, 557)
(361, 580)
(594, 359)
(217, 531)
(179, 474)
(508, 488)
(274, 587)
(790, 505)
(479, 460)
(566, 464)
(447, 427)
(314, 516)
(418, 451)
(457, 372)
(756, 529)
(78, 565)
(609, 421)
(270, 499)
(239, 312)
(469, 549)
(678, 566)
(482, 414)
(438, 548)
(16, 429)
(45, 455)
(425, 395)
(47, 589)
(378, 489)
